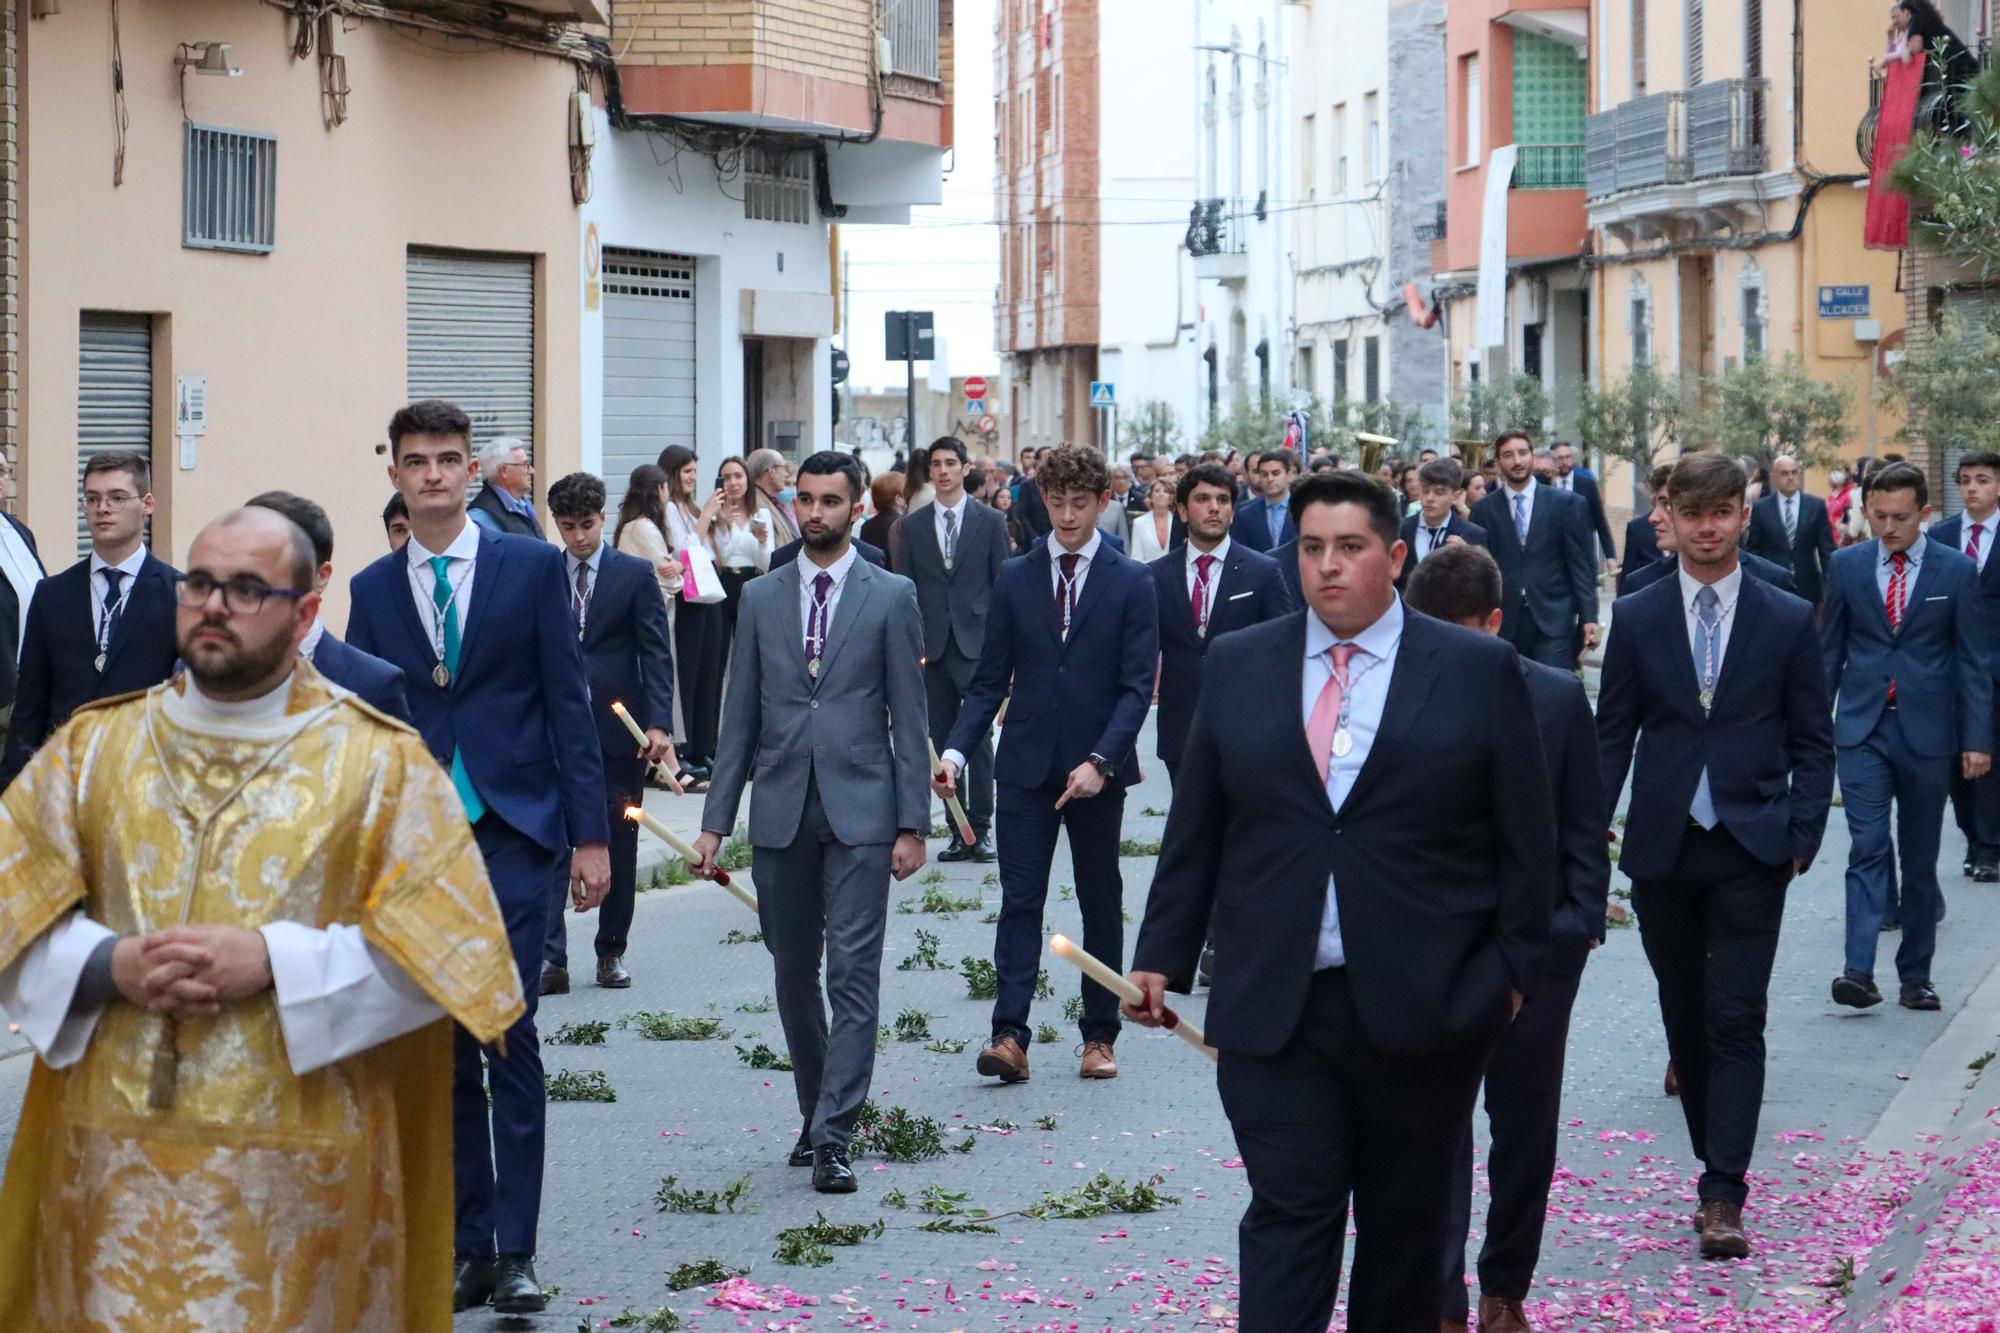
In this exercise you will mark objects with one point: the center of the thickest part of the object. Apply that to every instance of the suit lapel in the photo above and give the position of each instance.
(1414, 672)
(1749, 603)
(486, 569)
(599, 612)
(1042, 566)
(853, 596)
(923, 535)
(1095, 575)
(406, 608)
(1927, 577)
(1864, 576)
(1297, 749)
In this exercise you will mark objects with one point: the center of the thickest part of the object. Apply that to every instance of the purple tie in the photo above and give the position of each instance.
(816, 621)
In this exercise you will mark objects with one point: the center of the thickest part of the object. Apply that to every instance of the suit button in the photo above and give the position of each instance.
(813, 703)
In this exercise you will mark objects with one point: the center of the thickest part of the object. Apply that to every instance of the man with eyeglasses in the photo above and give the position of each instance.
(103, 626)
(20, 571)
(506, 504)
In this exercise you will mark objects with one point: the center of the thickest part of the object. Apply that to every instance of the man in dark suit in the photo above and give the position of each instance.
(1648, 539)
(1436, 525)
(789, 553)
(1265, 522)
(1791, 528)
(1541, 538)
(1031, 511)
(1905, 638)
(1287, 559)
(1583, 482)
(103, 626)
(379, 684)
(1207, 588)
(952, 548)
(506, 503)
(1400, 780)
(1976, 801)
(479, 623)
(1525, 1073)
(1073, 625)
(1715, 679)
(20, 572)
(621, 628)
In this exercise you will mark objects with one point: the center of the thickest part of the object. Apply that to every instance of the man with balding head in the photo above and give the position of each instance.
(1791, 528)
(771, 474)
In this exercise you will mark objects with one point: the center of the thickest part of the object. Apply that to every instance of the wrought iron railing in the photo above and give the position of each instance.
(1209, 231)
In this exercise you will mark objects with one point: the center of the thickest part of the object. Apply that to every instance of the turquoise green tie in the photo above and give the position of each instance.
(468, 795)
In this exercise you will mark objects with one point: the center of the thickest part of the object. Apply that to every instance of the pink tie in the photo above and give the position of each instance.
(1201, 567)
(1326, 709)
(1972, 547)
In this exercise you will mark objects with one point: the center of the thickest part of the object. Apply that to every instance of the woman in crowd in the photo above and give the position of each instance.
(886, 495)
(1153, 527)
(740, 534)
(641, 530)
(700, 634)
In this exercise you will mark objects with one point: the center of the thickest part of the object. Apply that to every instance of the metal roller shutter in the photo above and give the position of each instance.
(114, 396)
(649, 356)
(471, 338)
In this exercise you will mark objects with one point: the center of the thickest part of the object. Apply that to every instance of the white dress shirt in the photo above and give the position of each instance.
(1727, 589)
(1430, 541)
(741, 546)
(464, 555)
(1788, 513)
(336, 994)
(808, 571)
(938, 510)
(1563, 482)
(1987, 526)
(1508, 492)
(131, 565)
(310, 644)
(1368, 674)
(1884, 569)
(1221, 554)
(570, 562)
(24, 571)
(1083, 559)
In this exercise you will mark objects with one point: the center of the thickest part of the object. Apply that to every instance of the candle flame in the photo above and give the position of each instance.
(1060, 943)
(633, 812)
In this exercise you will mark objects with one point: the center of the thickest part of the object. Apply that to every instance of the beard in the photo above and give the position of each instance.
(828, 540)
(233, 666)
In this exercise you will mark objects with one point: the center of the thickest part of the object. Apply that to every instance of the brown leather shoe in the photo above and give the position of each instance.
(1006, 1059)
(1098, 1062)
(1671, 1083)
(1502, 1314)
(1722, 1231)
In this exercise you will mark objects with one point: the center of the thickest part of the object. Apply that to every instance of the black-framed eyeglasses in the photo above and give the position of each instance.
(240, 596)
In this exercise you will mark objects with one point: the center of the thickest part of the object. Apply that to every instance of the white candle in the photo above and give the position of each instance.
(660, 831)
(1125, 990)
(640, 737)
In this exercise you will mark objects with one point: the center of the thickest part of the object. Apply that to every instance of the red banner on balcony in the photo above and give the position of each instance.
(1887, 225)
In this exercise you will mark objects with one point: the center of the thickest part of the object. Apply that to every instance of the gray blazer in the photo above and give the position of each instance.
(871, 785)
(953, 601)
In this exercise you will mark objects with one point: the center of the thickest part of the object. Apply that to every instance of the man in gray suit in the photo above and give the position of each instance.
(826, 694)
(952, 549)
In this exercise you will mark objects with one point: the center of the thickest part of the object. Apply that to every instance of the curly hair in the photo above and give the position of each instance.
(1073, 467)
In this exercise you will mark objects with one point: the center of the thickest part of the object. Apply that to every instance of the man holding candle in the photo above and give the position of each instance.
(826, 705)
(1074, 626)
(1376, 924)
(621, 628)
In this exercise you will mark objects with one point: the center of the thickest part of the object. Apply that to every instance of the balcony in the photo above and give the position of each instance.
(912, 29)
(1215, 237)
(1549, 166)
(1937, 111)
(1682, 164)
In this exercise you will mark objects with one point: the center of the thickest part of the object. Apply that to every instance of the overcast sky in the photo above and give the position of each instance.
(948, 259)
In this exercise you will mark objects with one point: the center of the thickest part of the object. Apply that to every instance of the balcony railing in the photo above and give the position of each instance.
(1670, 138)
(1549, 166)
(1939, 108)
(912, 29)
(1725, 128)
(1209, 231)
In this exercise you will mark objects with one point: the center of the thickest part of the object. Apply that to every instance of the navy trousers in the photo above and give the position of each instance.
(1029, 823)
(624, 784)
(1977, 805)
(1881, 770)
(497, 1146)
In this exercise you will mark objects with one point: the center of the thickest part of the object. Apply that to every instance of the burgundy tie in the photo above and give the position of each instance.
(817, 618)
(1202, 564)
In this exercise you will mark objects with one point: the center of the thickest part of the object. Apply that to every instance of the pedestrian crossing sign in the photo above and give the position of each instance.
(1103, 394)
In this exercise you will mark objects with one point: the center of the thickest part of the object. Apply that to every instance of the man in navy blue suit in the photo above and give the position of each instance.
(379, 684)
(1542, 538)
(479, 623)
(1436, 524)
(1073, 624)
(1648, 537)
(621, 627)
(1715, 678)
(1791, 528)
(103, 626)
(1581, 481)
(1395, 777)
(1976, 801)
(1905, 637)
(1524, 1076)
(1264, 521)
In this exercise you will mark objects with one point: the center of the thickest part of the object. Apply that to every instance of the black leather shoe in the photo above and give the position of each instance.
(472, 1284)
(1891, 925)
(1985, 874)
(515, 1290)
(983, 851)
(802, 1151)
(611, 973)
(1919, 995)
(831, 1173)
(555, 980)
(958, 851)
(1855, 991)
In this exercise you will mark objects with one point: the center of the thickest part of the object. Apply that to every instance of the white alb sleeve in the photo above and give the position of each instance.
(37, 990)
(337, 995)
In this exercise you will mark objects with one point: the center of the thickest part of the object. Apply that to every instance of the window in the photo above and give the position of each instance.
(1305, 372)
(1210, 114)
(1371, 148)
(1468, 91)
(1754, 313)
(1236, 128)
(1340, 148)
(777, 185)
(229, 190)
(1693, 43)
(1753, 39)
(1340, 371)
(1264, 113)
(1638, 48)
(1371, 369)
(1642, 330)
(1308, 149)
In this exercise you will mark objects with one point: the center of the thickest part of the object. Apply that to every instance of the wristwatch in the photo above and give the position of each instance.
(1105, 768)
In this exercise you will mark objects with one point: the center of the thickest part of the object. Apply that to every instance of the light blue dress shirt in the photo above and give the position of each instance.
(1883, 569)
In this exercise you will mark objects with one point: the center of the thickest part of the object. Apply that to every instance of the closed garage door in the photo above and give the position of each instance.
(472, 338)
(648, 360)
(114, 399)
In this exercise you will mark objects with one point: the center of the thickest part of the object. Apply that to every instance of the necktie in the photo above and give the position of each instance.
(1275, 516)
(447, 605)
(1437, 539)
(579, 602)
(1325, 719)
(1521, 517)
(113, 608)
(1791, 519)
(950, 536)
(1898, 563)
(1972, 542)
(816, 622)
(1066, 589)
(1202, 564)
(1707, 662)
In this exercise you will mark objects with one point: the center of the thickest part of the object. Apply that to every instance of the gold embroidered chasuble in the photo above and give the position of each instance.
(261, 1199)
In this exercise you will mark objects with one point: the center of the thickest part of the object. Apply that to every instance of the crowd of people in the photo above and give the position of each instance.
(236, 899)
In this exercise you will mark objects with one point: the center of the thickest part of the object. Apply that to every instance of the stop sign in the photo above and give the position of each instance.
(975, 387)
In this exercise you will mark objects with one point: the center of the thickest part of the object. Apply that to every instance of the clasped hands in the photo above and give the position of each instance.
(187, 971)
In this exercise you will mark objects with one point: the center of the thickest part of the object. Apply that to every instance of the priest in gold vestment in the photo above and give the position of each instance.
(235, 913)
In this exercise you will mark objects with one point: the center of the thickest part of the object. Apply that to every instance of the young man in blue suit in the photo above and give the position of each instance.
(103, 626)
(379, 684)
(1905, 635)
(1074, 625)
(1976, 801)
(1436, 524)
(1264, 521)
(1715, 679)
(479, 623)
(1542, 538)
(621, 627)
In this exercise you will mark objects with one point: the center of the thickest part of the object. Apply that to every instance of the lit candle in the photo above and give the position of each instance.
(1126, 991)
(686, 853)
(951, 802)
(640, 737)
